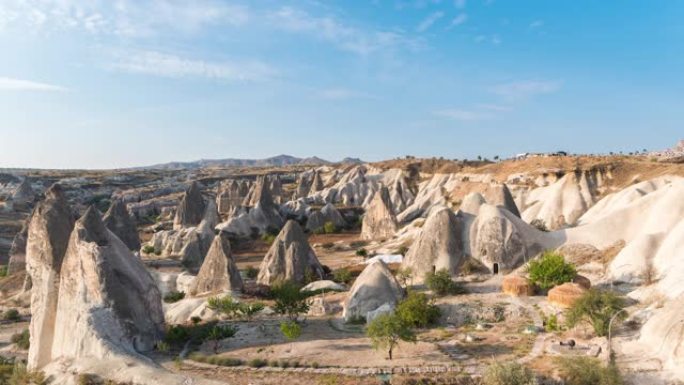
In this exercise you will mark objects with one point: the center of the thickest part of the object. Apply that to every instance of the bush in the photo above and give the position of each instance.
(22, 340)
(342, 275)
(401, 250)
(174, 296)
(597, 307)
(3, 271)
(441, 283)
(550, 270)
(162, 346)
(257, 363)
(417, 310)
(248, 310)
(291, 330)
(329, 228)
(11, 315)
(268, 238)
(551, 323)
(405, 276)
(251, 272)
(289, 300)
(362, 252)
(588, 371)
(226, 305)
(148, 249)
(508, 373)
(22, 376)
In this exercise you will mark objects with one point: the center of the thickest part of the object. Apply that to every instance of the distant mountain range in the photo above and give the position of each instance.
(275, 161)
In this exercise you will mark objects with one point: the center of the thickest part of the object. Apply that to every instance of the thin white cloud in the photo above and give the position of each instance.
(343, 36)
(172, 66)
(494, 107)
(460, 4)
(525, 89)
(121, 17)
(461, 114)
(458, 20)
(343, 94)
(10, 84)
(431, 19)
(493, 39)
(536, 24)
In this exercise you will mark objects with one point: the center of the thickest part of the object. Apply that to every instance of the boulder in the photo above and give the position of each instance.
(471, 203)
(118, 220)
(218, 273)
(108, 302)
(439, 245)
(516, 286)
(190, 209)
(48, 236)
(379, 222)
(290, 258)
(375, 287)
(326, 285)
(328, 214)
(566, 294)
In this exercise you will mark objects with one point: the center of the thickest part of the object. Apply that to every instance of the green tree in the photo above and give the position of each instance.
(248, 310)
(289, 300)
(226, 305)
(329, 228)
(291, 330)
(405, 276)
(597, 307)
(550, 270)
(418, 310)
(387, 330)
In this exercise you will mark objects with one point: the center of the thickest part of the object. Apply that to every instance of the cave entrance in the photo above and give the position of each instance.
(495, 268)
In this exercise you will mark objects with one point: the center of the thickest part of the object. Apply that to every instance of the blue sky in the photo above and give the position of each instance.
(114, 83)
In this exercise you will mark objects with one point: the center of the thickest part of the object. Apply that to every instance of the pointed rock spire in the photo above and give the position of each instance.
(118, 220)
(47, 240)
(500, 195)
(378, 221)
(218, 273)
(190, 209)
(375, 287)
(290, 257)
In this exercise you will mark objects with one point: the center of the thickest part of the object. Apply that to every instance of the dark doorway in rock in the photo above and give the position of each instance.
(434, 269)
(495, 268)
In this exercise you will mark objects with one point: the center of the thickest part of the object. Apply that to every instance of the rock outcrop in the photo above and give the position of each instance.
(439, 245)
(118, 220)
(501, 241)
(218, 273)
(379, 222)
(24, 193)
(499, 195)
(48, 236)
(290, 258)
(264, 216)
(17, 252)
(191, 208)
(108, 302)
(471, 203)
(327, 214)
(375, 287)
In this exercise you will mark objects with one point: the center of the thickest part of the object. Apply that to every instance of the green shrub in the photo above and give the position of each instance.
(588, 371)
(550, 270)
(597, 307)
(441, 283)
(551, 324)
(251, 272)
(22, 340)
(257, 363)
(148, 249)
(291, 330)
(3, 271)
(342, 275)
(289, 300)
(248, 310)
(226, 305)
(268, 238)
(11, 315)
(177, 335)
(508, 373)
(162, 346)
(362, 252)
(401, 250)
(22, 376)
(195, 320)
(329, 228)
(405, 276)
(174, 296)
(418, 310)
